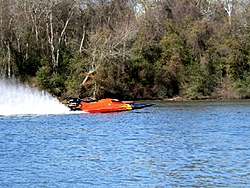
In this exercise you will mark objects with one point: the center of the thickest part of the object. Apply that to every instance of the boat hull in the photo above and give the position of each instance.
(104, 105)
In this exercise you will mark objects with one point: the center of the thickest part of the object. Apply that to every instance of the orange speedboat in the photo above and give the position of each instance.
(103, 105)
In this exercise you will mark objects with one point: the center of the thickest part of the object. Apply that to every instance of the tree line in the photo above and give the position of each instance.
(128, 49)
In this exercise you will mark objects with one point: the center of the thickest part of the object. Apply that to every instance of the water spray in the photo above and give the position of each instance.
(20, 99)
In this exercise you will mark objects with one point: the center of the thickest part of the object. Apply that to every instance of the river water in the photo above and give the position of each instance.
(172, 144)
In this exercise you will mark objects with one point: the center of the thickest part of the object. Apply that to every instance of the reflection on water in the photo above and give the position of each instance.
(173, 144)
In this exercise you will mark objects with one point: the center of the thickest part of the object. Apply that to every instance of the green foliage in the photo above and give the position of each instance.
(54, 83)
(201, 81)
(241, 87)
(172, 50)
(43, 76)
(151, 53)
(29, 67)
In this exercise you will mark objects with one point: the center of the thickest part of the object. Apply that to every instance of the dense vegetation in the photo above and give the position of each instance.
(129, 49)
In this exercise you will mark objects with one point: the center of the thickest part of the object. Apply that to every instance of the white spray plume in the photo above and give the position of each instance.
(19, 99)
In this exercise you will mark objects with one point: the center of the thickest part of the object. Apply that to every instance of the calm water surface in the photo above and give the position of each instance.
(172, 144)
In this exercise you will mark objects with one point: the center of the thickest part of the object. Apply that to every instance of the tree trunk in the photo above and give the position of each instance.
(9, 60)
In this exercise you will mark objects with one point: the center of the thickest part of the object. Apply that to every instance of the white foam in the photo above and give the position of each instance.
(19, 99)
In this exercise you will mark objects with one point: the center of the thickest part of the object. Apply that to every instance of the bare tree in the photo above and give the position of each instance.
(55, 34)
(8, 20)
(105, 47)
(37, 12)
(229, 6)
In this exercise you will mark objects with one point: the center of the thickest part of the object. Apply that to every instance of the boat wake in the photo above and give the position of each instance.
(19, 99)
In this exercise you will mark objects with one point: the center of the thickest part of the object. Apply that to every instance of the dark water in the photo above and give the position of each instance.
(173, 144)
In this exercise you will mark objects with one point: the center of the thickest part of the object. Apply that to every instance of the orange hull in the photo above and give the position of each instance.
(105, 105)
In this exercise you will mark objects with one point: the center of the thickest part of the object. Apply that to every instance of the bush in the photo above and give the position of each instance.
(53, 83)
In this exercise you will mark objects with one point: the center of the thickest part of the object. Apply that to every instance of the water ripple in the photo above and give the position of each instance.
(187, 144)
